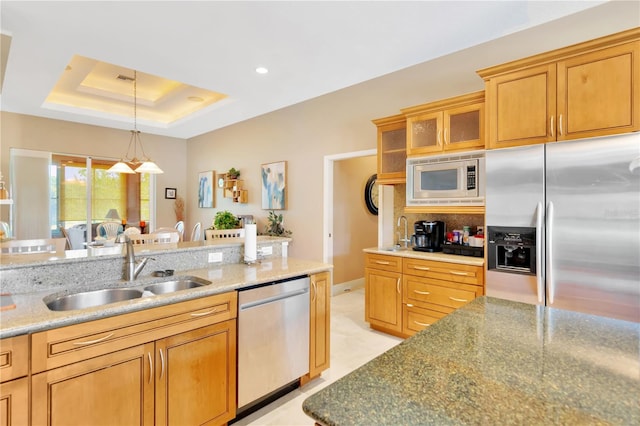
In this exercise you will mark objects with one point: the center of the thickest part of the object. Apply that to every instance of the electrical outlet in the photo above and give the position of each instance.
(266, 251)
(215, 257)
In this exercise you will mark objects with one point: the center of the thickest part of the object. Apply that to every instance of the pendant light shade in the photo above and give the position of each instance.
(133, 164)
(121, 167)
(149, 167)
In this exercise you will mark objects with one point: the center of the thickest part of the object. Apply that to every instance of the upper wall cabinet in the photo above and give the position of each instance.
(392, 149)
(586, 90)
(448, 125)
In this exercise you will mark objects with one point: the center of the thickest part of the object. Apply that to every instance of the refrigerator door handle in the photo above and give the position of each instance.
(549, 253)
(539, 271)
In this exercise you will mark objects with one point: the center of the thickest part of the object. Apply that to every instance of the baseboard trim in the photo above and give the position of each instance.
(347, 286)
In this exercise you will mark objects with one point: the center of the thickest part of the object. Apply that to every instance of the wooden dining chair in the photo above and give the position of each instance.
(196, 232)
(5, 230)
(44, 245)
(180, 228)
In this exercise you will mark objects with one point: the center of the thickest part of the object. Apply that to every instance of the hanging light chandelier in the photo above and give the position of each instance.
(134, 164)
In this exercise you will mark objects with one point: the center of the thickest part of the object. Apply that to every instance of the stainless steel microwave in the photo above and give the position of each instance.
(454, 180)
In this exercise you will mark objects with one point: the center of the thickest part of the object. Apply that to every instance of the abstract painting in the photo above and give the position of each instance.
(205, 189)
(274, 185)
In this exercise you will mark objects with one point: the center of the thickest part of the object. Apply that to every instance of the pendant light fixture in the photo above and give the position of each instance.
(127, 164)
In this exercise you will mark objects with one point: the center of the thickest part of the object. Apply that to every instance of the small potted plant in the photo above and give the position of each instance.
(225, 220)
(274, 227)
(233, 173)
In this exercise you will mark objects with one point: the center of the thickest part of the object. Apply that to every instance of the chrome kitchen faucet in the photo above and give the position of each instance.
(405, 240)
(132, 267)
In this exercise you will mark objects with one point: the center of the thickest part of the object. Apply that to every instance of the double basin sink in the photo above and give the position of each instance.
(90, 299)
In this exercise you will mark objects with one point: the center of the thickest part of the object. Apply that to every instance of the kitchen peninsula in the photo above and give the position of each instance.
(495, 362)
(158, 357)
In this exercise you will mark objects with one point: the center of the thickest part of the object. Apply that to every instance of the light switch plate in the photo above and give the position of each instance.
(215, 257)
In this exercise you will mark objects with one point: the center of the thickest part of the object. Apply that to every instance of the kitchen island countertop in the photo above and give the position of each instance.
(496, 362)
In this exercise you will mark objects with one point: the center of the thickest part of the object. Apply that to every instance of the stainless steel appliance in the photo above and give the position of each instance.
(446, 180)
(273, 338)
(429, 236)
(580, 201)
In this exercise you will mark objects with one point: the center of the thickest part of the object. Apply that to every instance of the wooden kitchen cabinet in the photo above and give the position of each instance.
(14, 383)
(112, 389)
(383, 294)
(404, 295)
(452, 124)
(586, 90)
(392, 149)
(145, 367)
(319, 324)
(433, 289)
(207, 354)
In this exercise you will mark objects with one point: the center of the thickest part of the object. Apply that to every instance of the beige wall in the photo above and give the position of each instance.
(354, 228)
(302, 135)
(28, 132)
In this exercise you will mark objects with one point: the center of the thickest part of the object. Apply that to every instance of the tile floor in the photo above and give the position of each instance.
(353, 343)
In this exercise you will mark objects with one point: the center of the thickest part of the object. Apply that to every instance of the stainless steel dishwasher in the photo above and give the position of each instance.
(273, 338)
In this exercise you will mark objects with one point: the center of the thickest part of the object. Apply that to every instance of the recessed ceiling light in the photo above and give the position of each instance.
(262, 70)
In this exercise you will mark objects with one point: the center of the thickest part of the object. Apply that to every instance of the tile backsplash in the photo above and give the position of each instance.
(452, 221)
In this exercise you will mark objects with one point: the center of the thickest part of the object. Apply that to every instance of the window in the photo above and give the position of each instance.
(71, 185)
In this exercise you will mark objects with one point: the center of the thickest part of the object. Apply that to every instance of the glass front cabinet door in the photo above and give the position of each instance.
(449, 125)
(392, 149)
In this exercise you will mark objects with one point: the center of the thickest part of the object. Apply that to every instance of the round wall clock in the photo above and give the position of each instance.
(220, 182)
(371, 194)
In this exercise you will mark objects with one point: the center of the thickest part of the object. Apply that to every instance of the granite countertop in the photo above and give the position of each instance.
(495, 362)
(31, 313)
(437, 256)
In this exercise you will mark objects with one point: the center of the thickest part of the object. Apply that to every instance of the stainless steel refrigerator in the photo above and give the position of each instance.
(563, 225)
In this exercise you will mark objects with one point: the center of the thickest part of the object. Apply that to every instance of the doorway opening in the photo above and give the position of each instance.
(348, 227)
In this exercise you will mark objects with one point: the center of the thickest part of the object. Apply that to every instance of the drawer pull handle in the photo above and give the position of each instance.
(421, 323)
(150, 367)
(382, 262)
(422, 292)
(462, 274)
(201, 314)
(91, 342)
(458, 300)
(161, 364)
(421, 268)
(409, 305)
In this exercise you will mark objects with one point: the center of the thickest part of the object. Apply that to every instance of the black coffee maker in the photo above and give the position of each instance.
(429, 236)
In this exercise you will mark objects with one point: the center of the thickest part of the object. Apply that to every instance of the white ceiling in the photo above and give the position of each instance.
(310, 48)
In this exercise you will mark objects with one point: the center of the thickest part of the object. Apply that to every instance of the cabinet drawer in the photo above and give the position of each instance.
(14, 357)
(466, 274)
(66, 345)
(385, 263)
(439, 295)
(415, 319)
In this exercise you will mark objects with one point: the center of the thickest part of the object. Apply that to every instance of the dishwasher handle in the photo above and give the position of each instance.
(274, 298)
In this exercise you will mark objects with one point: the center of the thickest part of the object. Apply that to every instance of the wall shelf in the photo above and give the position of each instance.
(234, 189)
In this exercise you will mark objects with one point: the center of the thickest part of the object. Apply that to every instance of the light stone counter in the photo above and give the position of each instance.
(31, 313)
(495, 362)
(439, 256)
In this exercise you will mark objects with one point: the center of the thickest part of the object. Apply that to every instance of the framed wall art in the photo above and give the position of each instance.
(206, 188)
(274, 185)
(170, 193)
